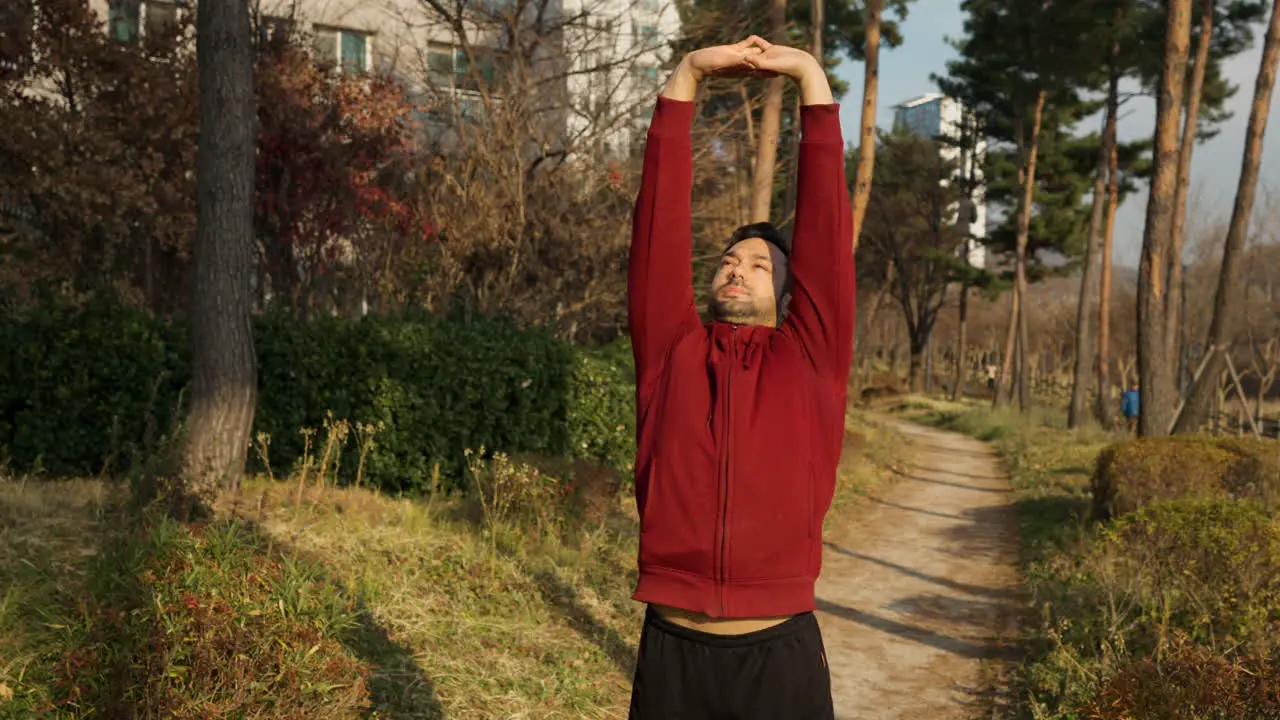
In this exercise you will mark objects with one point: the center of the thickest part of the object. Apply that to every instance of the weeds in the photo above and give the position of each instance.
(511, 598)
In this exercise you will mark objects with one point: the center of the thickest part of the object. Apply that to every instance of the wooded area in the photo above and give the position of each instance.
(374, 192)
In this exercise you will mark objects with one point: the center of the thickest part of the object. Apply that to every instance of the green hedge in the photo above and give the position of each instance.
(83, 386)
(84, 391)
(1138, 472)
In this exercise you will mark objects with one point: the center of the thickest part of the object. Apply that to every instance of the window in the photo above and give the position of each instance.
(354, 52)
(124, 19)
(347, 49)
(129, 20)
(161, 18)
(450, 68)
(440, 67)
(498, 7)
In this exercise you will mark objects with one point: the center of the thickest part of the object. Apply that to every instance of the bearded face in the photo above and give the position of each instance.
(748, 287)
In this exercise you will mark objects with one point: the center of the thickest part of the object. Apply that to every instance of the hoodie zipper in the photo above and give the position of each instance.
(728, 472)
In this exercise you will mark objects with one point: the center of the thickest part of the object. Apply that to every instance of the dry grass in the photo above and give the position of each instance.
(504, 626)
(48, 537)
(457, 617)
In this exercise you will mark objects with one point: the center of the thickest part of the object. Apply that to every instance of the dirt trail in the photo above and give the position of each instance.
(917, 590)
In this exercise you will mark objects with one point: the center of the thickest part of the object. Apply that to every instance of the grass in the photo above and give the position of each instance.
(871, 448)
(48, 541)
(346, 604)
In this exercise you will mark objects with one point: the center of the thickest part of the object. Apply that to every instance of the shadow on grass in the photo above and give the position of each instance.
(564, 598)
(399, 688)
(134, 580)
(1050, 522)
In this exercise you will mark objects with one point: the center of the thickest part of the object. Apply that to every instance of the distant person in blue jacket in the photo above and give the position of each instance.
(1129, 407)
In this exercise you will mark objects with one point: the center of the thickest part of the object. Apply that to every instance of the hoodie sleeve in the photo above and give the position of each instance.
(821, 313)
(660, 301)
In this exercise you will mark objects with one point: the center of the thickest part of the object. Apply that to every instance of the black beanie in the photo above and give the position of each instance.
(763, 230)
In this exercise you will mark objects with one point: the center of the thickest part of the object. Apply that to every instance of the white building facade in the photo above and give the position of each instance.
(614, 78)
(939, 117)
(614, 50)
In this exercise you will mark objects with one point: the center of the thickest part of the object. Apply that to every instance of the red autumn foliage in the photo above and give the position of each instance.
(332, 152)
(97, 160)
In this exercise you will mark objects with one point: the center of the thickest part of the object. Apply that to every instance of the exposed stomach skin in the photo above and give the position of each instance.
(716, 626)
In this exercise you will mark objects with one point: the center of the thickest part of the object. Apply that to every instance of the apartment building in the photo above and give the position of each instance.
(620, 50)
(939, 117)
(608, 69)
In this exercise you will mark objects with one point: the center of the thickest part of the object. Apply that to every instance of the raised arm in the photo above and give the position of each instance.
(660, 305)
(821, 312)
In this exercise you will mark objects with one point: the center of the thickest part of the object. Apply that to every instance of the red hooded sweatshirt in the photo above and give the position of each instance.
(739, 428)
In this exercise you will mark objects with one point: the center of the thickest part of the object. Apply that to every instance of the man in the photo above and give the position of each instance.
(1129, 407)
(741, 420)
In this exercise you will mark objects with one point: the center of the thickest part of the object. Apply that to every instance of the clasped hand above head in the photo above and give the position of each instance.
(752, 57)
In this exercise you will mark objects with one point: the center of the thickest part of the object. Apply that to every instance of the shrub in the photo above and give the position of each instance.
(1256, 472)
(1139, 472)
(87, 391)
(590, 489)
(1208, 570)
(1204, 572)
(195, 622)
(1191, 683)
(99, 386)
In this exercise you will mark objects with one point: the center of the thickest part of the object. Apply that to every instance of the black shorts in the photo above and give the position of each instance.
(779, 673)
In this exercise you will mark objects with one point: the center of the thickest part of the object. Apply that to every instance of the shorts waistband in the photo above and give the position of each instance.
(790, 626)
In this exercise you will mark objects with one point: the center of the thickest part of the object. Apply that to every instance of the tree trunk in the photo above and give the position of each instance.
(1108, 241)
(815, 28)
(868, 323)
(1020, 366)
(917, 366)
(1024, 350)
(967, 164)
(817, 18)
(1173, 303)
(1004, 382)
(962, 342)
(770, 123)
(1083, 375)
(1028, 182)
(1155, 365)
(867, 130)
(1221, 327)
(224, 370)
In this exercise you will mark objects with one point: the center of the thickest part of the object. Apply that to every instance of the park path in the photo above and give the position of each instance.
(918, 591)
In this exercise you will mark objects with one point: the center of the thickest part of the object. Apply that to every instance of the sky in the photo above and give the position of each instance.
(905, 73)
